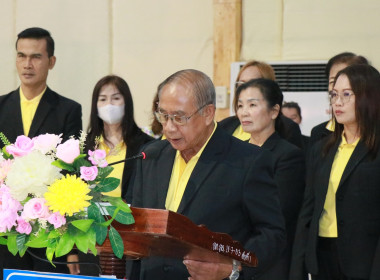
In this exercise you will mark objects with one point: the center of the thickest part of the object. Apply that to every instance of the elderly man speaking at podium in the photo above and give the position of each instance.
(212, 178)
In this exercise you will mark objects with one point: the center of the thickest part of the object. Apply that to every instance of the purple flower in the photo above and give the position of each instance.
(88, 173)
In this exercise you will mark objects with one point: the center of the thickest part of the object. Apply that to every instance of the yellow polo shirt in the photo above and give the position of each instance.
(181, 173)
(116, 154)
(28, 109)
(327, 221)
(330, 125)
(241, 134)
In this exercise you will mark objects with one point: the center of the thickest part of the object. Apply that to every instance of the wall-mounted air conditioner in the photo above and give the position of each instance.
(303, 82)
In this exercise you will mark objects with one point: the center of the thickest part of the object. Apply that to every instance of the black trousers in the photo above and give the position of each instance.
(328, 261)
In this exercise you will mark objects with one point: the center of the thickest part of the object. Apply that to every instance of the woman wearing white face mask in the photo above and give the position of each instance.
(112, 128)
(112, 122)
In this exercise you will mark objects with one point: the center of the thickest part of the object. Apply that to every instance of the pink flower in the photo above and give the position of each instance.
(98, 158)
(7, 220)
(68, 151)
(7, 202)
(46, 142)
(21, 147)
(23, 226)
(35, 209)
(8, 209)
(88, 173)
(57, 220)
(5, 166)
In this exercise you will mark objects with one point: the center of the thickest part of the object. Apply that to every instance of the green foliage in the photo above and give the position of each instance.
(107, 184)
(12, 244)
(83, 225)
(116, 242)
(3, 241)
(65, 244)
(4, 139)
(104, 172)
(118, 202)
(81, 161)
(63, 165)
(39, 241)
(101, 233)
(121, 216)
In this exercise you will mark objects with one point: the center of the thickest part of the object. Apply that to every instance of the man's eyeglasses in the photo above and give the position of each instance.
(176, 119)
(345, 97)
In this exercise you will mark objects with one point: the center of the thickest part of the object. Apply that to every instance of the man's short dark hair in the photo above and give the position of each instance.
(293, 105)
(348, 58)
(38, 33)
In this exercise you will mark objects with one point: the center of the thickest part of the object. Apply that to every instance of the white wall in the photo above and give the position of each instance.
(143, 41)
(292, 30)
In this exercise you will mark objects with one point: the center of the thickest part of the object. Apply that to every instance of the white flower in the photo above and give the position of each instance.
(31, 174)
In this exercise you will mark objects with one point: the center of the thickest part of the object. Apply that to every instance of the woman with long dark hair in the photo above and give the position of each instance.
(113, 128)
(338, 231)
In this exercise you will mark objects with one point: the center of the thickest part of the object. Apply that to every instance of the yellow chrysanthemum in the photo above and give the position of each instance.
(68, 195)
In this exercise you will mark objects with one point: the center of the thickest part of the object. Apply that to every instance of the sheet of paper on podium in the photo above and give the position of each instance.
(13, 274)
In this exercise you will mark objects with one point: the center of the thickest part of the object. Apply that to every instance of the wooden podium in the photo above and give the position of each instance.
(165, 233)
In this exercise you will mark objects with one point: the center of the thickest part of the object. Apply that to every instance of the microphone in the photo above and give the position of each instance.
(150, 153)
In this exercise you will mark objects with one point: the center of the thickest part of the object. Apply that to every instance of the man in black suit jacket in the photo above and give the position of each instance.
(53, 114)
(230, 187)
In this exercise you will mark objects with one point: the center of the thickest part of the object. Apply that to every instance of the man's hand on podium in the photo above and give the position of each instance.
(73, 267)
(207, 271)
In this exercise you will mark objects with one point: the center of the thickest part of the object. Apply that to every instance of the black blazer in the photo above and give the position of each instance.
(231, 190)
(357, 211)
(319, 132)
(55, 114)
(291, 133)
(289, 174)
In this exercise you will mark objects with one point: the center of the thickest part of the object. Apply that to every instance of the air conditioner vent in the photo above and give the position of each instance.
(301, 77)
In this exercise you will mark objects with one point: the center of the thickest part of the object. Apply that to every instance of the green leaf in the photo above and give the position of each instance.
(49, 254)
(81, 161)
(107, 184)
(104, 172)
(20, 241)
(39, 241)
(101, 233)
(3, 241)
(121, 217)
(83, 225)
(81, 241)
(116, 242)
(65, 244)
(125, 218)
(118, 202)
(4, 139)
(53, 234)
(94, 213)
(12, 244)
(63, 165)
(50, 250)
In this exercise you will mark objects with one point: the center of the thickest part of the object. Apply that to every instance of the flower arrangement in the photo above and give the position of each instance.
(52, 194)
